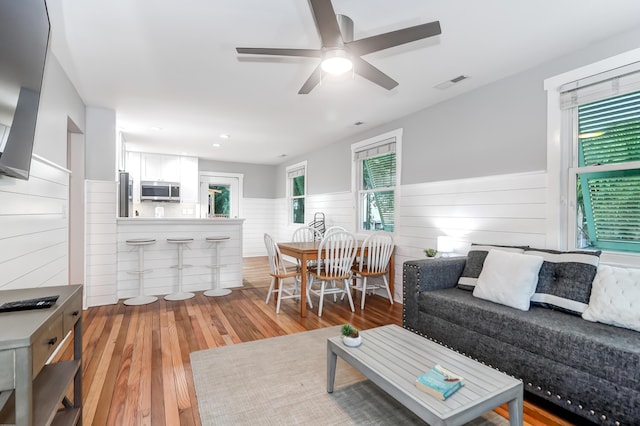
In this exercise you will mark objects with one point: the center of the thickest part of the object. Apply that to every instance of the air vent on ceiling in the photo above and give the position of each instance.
(453, 81)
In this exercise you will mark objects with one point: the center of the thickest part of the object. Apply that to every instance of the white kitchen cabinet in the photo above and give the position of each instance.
(160, 167)
(189, 179)
(170, 168)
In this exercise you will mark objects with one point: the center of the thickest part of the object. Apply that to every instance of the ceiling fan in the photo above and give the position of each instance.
(340, 53)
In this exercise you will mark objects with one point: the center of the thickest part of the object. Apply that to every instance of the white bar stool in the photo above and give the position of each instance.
(140, 299)
(215, 266)
(180, 295)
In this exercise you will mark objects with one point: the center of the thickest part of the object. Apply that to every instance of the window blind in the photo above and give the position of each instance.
(616, 82)
(294, 173)
(609, 133)
(379, 148)
(609, 130)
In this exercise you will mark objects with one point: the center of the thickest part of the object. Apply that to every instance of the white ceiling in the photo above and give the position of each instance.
(172, 64)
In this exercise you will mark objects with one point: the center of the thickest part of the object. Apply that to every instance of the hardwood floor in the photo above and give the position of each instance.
(136, 367)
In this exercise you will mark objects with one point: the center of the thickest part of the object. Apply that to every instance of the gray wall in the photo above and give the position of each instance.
(496, 129)
(258, 179)
(59, 101)
(100, 144)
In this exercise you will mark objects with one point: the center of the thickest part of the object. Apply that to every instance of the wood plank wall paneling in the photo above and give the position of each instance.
(260, 215)
(505, 209)
(34, 234)
(338, 209)
(100, 243)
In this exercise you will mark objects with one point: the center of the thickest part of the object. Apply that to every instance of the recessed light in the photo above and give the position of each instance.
(156, 128)
(216, 145)
(358, 123)
(282, 155)
(225, 136)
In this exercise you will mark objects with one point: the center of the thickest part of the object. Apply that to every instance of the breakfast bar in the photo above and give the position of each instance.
(161, 273)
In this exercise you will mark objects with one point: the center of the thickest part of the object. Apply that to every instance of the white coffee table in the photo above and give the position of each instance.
(392, 358)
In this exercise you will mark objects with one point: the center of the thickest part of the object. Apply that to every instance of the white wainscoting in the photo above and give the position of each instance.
(101, 286)
(338, 209)
(505, 209)
(261, 215)
(34, 232)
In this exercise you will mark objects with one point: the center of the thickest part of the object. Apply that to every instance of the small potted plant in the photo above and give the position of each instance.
(431, 252)
(351, 336)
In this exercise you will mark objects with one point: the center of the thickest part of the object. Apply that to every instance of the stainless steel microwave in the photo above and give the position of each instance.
(159, 191)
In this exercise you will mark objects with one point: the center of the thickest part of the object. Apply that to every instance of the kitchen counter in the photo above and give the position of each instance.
(160, 258)
(173, 220)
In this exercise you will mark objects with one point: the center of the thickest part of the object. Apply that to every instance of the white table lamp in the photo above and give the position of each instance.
(445, 245)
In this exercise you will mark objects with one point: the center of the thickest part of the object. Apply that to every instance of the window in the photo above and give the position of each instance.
(220, 195)
(296, 189)
(603, 121)
(376, 177)
(219, 204)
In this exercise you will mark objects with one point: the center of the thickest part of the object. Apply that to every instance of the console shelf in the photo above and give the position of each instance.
(32, 393)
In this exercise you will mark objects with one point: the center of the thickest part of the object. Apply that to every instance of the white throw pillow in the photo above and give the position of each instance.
(508, 278)
(615, 297)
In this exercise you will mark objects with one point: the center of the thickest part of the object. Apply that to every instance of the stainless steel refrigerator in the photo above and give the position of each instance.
(125, 195)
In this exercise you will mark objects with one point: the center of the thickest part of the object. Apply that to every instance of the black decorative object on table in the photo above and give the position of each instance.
(28, 304)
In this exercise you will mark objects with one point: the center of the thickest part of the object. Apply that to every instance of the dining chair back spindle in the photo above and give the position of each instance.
(334, 228)
(306, 234)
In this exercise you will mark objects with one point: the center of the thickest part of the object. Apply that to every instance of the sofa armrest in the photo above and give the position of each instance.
(424, 275)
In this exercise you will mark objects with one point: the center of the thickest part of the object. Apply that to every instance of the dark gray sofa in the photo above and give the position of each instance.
(588, 368)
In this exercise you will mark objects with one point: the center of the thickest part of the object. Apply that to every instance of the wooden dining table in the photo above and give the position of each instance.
(306, 251)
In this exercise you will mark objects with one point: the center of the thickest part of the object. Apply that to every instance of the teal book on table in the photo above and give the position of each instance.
(439, 382)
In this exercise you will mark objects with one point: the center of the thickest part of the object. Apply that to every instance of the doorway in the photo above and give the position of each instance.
(76, 228)
(220, 195)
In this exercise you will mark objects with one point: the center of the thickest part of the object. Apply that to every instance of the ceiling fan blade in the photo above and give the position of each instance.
(373, 74)
(327, 23)
(311, 53)
(311, 82)
(393, 38)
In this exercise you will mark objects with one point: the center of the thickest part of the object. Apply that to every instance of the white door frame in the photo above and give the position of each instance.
(234, 180)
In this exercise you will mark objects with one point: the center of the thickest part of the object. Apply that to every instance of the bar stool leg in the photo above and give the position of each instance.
(216, 291)
(180, 295)
(140, 299)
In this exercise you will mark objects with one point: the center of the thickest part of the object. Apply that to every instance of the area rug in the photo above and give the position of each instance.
(282, 381)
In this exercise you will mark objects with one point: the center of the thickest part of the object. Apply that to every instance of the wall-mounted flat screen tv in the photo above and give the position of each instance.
(24, 37)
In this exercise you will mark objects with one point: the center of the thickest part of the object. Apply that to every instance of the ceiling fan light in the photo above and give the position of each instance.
(336, 62)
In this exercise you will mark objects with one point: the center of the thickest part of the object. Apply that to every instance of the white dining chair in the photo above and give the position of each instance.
(279, 273)
(372, 262)
(335, 257)
(306, 234)
(334, 228)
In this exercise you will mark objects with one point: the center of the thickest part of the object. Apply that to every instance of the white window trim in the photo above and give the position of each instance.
(357, 146)
(559, 154)
(300, 165)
